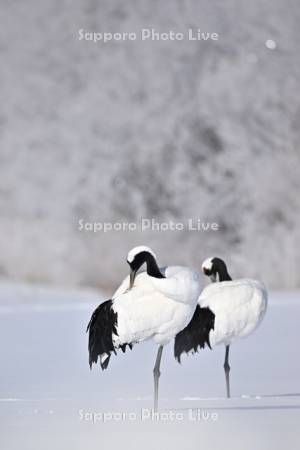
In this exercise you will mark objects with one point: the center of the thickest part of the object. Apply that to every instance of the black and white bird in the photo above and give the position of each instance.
(157, 304)
(228, 310)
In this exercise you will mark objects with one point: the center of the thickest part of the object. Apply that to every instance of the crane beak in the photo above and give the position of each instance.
(213, 278)
(210, 274)
(132, 278)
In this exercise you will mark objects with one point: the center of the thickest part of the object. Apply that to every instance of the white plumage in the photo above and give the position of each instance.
(239, 307)
(154, 304)
(228, 310)
(140, 279)
(156, 308)
(139, 249)
(180, 284)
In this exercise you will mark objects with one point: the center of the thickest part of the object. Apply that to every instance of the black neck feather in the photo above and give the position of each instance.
(152, 268)
(223, 274)
(219, 267)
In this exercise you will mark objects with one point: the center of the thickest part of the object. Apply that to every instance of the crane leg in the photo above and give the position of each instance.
(156, 374)
(227, 370)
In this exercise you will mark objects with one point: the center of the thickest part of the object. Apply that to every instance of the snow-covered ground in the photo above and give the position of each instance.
(49, 396)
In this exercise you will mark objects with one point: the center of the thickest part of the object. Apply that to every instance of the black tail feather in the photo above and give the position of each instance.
(104, 364)
(101, 327)
(123, 347)
(196, 333)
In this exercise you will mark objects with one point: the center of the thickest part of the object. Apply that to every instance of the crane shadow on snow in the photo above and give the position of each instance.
(244, 408)
(292, 394)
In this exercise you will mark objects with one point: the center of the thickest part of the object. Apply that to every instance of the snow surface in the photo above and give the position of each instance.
(46, 385)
